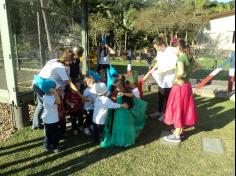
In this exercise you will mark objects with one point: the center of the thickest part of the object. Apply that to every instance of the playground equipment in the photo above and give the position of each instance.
(24, 51)
(228, 62)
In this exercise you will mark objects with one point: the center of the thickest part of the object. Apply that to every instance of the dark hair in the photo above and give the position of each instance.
(79, 50)
(159, 41)
(184, 47)
(121, 83)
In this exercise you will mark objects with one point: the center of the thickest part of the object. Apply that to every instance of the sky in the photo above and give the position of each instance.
(222, 0)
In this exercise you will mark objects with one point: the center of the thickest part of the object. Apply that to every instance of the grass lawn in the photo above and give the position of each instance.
(23, 153)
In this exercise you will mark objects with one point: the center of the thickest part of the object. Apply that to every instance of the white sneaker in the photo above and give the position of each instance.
(161, 118)
(154, 115)
(87, 131)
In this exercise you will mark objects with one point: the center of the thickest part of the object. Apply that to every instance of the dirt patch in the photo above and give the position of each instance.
(7, 122)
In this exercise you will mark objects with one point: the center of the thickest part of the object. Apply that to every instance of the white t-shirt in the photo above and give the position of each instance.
(55, 71)
(165, 60)
(50, 113)
(101, 106)
(103, 60)
(136, 92)
(92, 97)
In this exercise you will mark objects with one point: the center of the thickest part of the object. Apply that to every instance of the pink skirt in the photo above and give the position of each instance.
(181, 108)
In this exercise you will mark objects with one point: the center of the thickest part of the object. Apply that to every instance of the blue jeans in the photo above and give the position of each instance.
(39, 108)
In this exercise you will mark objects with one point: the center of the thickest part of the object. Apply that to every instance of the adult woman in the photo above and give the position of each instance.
(181, 108)
(103, 56)
(56, 70)
(164, 72)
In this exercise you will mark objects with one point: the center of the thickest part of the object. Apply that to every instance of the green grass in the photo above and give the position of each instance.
(23, 153)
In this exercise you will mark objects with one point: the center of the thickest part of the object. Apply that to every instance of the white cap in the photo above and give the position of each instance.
(99, 89)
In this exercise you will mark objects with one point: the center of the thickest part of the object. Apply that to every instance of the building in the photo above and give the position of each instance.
(219, 33)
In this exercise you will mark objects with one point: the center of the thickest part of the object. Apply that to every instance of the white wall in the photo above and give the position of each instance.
(220, 33)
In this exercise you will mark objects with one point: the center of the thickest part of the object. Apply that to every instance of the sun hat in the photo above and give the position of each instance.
(99, 89)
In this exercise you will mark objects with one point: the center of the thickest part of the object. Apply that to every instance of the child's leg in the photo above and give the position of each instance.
(81, 118)
(74, 118)
(101, 132)
(88, 118)
(96, 133)
(55, 135)
(47, 138)
(62, 127)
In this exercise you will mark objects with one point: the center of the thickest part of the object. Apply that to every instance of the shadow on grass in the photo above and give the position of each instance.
(210, 117)
(20, 144)
(150, 133)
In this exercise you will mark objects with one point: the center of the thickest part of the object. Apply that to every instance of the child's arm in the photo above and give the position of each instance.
(57, 97)
(111, 105)
(126, 94)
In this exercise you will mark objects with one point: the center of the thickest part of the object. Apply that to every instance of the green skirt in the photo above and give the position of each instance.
(122, 128)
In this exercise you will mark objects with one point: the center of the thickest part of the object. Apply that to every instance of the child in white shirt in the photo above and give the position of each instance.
(101, 106)
(88, 105)
(50, 118)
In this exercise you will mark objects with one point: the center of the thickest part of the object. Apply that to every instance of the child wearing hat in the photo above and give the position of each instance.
(101, 106)
(50, 118)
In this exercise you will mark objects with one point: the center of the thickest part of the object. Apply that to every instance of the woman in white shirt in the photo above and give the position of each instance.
(163, 72)
(55, 70)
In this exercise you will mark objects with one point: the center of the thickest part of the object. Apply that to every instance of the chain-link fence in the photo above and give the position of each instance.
(39, 31)
(3, 84)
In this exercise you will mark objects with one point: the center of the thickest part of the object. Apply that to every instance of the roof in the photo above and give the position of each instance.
(222, 14)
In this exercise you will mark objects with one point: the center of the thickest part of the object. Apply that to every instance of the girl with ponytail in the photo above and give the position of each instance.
(181, 108)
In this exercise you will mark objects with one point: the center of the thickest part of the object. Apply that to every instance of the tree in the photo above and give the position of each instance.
(98, 27)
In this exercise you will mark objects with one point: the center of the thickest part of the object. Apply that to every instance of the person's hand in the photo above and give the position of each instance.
(126, 106)
(72, 105)
(85, 99)
(52, 90)
(120, 94)
(179, 82)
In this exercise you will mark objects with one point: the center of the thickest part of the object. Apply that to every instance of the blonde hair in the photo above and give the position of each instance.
(64, 52)
(89, 79)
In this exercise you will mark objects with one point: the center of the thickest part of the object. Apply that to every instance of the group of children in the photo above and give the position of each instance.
(98, 113)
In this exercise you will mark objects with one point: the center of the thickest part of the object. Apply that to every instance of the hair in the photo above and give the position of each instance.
(62, 52)
(160, 40)
(78, 50)
(121, 83)
(89, 78)
(184, 47)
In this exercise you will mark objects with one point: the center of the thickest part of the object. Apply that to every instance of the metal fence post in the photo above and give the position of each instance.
(7, 46)
(84, 34)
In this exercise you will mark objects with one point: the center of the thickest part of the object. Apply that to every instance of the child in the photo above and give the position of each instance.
(74, 107)
(131, 83)
(62, 114)
(51, 120)
(88, 105)
(122, 127)
(101, 106)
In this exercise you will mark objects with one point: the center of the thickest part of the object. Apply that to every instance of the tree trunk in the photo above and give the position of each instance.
(186, 36)
(171, 36)
(46, 25)
(166, 36)
(126, 39)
